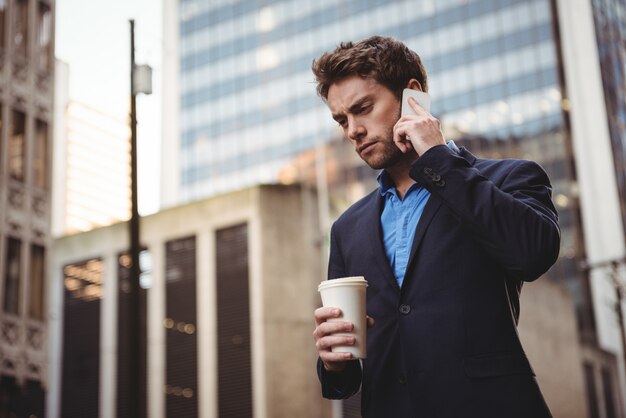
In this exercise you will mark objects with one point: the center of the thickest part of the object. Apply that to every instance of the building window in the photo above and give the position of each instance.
(37, 281)
(80, 382)
(592, 396)
(234, 361)
(1, 122)
(21, 399)
(44, 38)
(13, 276)
(40, 156)
(3, 21)
(181, 340)
(20, 34)
(17, 145)
(609, 400)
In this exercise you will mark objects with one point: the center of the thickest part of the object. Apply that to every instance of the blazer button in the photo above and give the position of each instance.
(405, 309)
(402, 379)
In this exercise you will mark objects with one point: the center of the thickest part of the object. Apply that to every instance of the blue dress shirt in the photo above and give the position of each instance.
(399, 220)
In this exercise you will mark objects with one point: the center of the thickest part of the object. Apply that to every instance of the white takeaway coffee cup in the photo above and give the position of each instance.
(348, 294)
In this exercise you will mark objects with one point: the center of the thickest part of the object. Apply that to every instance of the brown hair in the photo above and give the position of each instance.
(386, 60)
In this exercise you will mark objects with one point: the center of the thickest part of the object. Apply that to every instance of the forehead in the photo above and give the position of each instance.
(347, 91)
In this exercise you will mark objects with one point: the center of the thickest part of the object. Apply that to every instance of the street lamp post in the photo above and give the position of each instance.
(140, 82)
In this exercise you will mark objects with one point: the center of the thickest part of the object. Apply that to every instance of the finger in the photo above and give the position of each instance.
(326, 312)
(330, 341)
(331, 359)
(335, 327)
(399, 138)
(402, 146)
(417, 107)
(370, 322)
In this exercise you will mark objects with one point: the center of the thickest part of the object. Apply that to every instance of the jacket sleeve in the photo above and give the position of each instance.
(336, 265)
(506, 205)
(340, 385)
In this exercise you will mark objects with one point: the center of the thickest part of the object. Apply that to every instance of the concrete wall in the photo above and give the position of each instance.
(291, 271)
(550, 337)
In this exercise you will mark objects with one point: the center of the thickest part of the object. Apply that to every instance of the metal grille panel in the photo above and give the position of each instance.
(182, 347)
(81, 339)
(233, 323)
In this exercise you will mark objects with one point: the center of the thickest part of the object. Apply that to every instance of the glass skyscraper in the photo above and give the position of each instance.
(246, 87)
(247, 107)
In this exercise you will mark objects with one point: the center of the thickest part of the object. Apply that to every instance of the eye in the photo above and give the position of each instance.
(342, 122)
(362, 109)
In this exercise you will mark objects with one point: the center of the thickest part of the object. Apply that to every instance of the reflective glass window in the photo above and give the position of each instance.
(44, 35)
(40, 155)
(3, 21)
(17, 145)
(12, 275)
(20, 27)
(36, 293)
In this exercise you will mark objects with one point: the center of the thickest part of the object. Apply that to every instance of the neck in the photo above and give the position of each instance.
(399, 173)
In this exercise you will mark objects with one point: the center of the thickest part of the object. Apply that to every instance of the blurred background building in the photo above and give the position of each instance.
(91, 157)
(227, 300)
(26, 119)
(536, 79)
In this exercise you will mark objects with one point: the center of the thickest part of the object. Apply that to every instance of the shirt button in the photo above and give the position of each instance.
(402, 379)
(405, 309)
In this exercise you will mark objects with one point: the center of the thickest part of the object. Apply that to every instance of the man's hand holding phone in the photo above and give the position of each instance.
(417, 129)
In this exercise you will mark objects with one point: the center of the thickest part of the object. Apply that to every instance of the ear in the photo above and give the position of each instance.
(414, 85)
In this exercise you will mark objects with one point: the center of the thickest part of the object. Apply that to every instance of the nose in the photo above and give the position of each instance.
(356, 130)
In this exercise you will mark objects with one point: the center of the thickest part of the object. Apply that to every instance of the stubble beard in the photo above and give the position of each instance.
(387, 157)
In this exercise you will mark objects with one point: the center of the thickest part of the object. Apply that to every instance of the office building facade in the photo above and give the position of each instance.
(535, 79)
(26, 118)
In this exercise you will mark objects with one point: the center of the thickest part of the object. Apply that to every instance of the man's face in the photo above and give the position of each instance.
(367, 112)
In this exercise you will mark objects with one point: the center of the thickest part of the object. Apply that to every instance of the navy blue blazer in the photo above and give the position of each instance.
(446, 343)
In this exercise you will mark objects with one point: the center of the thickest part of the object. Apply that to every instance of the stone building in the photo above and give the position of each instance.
(26, 108)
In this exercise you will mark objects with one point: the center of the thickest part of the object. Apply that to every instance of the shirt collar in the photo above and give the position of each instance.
(453, 146)
(385, 183)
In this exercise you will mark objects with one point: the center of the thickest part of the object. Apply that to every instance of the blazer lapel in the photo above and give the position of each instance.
(373, 237)
(430, 210)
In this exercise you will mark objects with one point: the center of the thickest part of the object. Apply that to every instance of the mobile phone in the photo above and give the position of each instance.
(423, 99)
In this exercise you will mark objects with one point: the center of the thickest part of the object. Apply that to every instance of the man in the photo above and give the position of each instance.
(445, 244)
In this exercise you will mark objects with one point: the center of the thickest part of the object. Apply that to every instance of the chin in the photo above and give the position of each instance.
(382, 163)
(374, 163)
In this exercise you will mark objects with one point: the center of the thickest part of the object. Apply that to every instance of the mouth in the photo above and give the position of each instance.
(365, 147)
